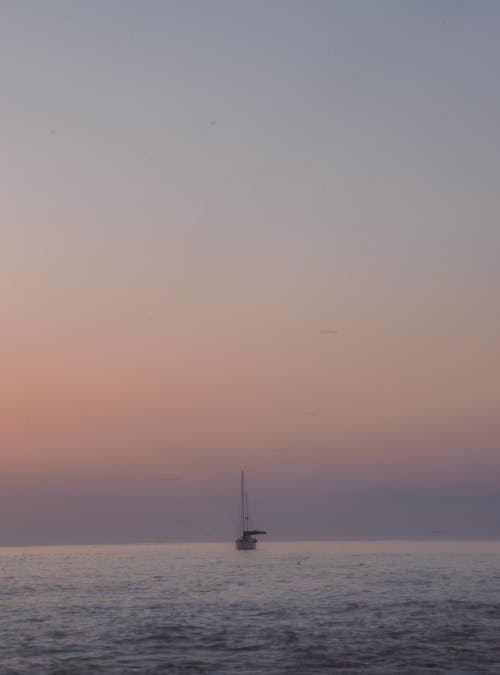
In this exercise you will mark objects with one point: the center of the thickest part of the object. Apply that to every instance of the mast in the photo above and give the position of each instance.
(242, 503)
(246, 541)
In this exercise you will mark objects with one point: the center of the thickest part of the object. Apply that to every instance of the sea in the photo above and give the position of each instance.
(288, 607)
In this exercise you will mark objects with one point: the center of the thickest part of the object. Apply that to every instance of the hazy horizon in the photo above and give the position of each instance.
(249, 235)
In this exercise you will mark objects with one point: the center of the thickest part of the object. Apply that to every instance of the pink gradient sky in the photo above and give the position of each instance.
(192, 195)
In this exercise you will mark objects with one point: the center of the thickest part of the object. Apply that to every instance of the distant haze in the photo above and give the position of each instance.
(249, 235)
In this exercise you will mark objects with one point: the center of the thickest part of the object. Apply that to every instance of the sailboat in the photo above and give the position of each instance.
(247, 540)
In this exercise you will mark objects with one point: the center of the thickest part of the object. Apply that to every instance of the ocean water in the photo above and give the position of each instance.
(295, 607)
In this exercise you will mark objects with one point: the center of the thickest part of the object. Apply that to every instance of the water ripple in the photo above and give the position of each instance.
(347, 608)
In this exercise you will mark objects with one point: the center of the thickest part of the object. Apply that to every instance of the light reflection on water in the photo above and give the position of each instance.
(288, 607)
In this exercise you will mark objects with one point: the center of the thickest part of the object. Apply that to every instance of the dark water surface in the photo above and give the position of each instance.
(305, 607)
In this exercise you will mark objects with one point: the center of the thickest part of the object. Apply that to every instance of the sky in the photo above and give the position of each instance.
(259, 235)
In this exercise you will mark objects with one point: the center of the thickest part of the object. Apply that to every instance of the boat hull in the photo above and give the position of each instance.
(246, 543)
